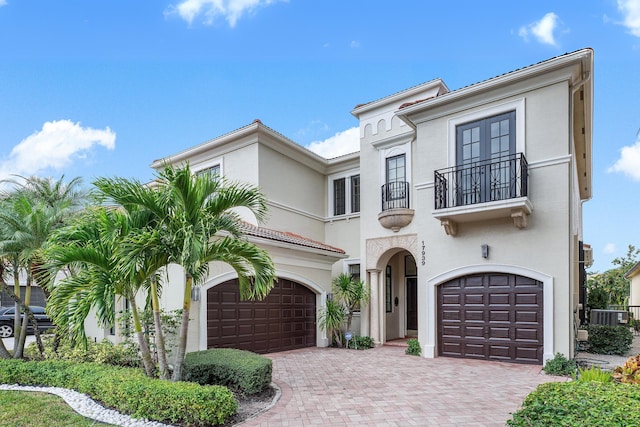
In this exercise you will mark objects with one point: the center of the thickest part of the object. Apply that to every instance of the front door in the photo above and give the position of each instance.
(412, 303)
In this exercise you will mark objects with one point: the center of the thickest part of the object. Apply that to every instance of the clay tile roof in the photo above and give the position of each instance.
(287, 237)
(417, 101)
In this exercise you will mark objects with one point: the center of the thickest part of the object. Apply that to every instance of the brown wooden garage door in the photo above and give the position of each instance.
(284, 320)
(491, 316)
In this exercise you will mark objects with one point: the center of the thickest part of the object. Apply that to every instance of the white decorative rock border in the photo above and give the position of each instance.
(87, 407)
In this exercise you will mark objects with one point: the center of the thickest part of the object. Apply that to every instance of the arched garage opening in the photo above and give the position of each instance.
(284, 320)
(491, 316)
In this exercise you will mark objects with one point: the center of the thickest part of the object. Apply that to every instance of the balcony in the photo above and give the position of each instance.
(483, 190)
(395, 206)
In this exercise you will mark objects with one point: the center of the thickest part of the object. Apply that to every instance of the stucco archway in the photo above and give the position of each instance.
(379, 252)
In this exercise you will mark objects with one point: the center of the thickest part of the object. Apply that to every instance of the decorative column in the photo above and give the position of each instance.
(374, 305)
(382, 317)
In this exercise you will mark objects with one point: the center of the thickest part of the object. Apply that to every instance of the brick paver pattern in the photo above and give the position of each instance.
(385, 387)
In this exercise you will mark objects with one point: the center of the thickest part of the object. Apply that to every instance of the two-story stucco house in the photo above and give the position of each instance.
(462, 211)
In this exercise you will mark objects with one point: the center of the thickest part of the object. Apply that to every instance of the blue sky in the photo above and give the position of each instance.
(104, 87)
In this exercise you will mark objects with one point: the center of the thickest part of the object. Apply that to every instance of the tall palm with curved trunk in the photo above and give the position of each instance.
(93, 244)
(197, 224)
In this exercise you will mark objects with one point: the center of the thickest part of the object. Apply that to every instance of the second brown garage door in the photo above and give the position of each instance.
(491, 316)
(284, 320)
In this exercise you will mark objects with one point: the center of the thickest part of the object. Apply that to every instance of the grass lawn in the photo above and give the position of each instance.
(34, 409)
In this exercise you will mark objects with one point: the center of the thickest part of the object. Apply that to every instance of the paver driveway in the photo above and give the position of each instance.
(385, 387)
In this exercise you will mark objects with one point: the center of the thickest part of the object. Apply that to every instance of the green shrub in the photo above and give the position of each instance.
(413, 348)
(240, 370)
(104, 352)
(609, 339)
(128, 390)
(361, 342)
(580, 404)
(597, 298)
(593, 374)
(560, 365)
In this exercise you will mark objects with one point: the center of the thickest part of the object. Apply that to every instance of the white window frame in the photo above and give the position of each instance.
(345, 269)
(396, 150)
(518, 106)
(347, 209)
(209, 164)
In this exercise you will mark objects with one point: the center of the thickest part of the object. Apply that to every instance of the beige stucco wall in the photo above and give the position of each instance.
(546, 245)
(546, 248)
(296, 193)
(634, 296)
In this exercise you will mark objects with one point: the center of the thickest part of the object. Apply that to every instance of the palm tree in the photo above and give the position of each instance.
(197, 225)
(27, 227)
(331, 320)
(30, 212)
(352, 293)
(93, 243)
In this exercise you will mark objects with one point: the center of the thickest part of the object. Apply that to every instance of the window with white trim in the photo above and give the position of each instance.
(345, 194)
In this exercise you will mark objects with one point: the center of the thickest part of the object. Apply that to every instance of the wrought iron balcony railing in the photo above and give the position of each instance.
(395, 195)
(479, 182)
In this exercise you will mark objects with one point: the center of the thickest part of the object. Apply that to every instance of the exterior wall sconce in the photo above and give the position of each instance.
(195, 294)
(485, 251)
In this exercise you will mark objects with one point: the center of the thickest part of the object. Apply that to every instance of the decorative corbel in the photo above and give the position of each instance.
(450, 227)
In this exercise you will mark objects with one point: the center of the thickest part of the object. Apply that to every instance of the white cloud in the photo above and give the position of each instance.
(609, 248)
(55, 146)
(542, 30)
(629, 161)
(354, 44)
(631, 11)
(209, 10)
(341, 143)
(3, 3)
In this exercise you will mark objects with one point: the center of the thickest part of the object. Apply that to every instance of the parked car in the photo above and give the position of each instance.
(7, 318)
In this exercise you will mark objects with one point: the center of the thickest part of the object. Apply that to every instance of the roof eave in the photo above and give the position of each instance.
(356, 112)
(495, 82)
(254, 128)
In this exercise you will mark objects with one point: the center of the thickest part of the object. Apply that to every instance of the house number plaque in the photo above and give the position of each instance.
(422, 254)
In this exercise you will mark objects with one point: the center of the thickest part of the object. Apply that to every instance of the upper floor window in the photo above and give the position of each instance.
(346, 195)
(395, 191)
(213, 171)
(355, 193)
(339, 196)
(396, 169)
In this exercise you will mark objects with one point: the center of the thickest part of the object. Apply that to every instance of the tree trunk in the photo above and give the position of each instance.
(147, 361)
(17, 324)
(28, 314)
(157, 323)
(19, 349)
(184, 329)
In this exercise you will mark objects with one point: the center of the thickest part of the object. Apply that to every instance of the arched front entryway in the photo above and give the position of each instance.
(284, 320)
(392, 275)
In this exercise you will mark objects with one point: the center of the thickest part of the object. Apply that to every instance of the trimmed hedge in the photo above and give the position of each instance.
(128, 390)
(237, 369)
(609, 339)
(580, 404)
